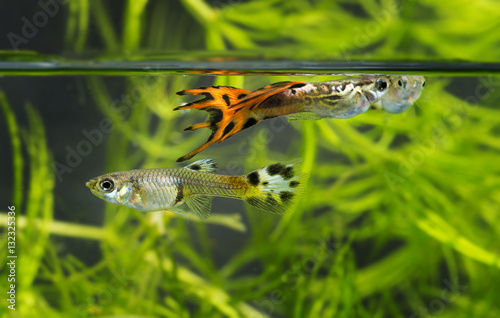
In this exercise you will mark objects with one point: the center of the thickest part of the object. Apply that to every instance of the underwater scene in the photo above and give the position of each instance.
(250, 158)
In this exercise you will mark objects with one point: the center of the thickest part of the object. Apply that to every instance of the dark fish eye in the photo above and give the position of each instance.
(381, 85)
(423, 84)
(400, 83)
(107, 185)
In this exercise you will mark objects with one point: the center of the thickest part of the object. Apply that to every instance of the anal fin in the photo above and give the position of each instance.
(303, 116)
(200, 205)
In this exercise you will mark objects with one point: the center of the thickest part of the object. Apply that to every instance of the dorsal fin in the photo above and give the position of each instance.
(203, 165)
(231, 110)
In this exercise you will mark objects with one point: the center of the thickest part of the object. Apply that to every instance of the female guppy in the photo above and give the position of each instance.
(275, 188)
(233, 109)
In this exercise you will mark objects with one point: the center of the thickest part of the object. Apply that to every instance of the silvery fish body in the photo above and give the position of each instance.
(274, 188)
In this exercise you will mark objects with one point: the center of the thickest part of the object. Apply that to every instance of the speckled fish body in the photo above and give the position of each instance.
(332, 99)
(271, 189)
(234, 109)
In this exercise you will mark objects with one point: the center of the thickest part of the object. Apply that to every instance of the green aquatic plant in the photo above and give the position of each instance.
(400, 217)
(319, 29)
(34, 199)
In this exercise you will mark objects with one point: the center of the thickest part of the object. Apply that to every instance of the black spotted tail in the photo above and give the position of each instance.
(276, 188)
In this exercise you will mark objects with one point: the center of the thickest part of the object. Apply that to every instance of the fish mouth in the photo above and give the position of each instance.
(90, 184)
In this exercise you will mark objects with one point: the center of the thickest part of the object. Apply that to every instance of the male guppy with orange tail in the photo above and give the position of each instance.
(275, 188)
(233, 109)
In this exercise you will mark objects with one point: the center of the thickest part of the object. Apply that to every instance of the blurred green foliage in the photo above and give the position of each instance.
(296, 29)
(400, 218)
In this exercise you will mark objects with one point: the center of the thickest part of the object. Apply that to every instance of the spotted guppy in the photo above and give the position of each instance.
(275, 188)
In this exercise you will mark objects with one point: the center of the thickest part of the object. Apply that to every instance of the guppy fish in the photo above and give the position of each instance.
(404, 91)
(275, 188)
(234, 109)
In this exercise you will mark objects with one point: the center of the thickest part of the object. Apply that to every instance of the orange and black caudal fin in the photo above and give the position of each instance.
(223, 120)
(231, 110)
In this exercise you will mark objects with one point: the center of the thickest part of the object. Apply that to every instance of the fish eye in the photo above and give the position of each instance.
(381, 85)
(402, 83)
(423, 84)
(107, 185)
